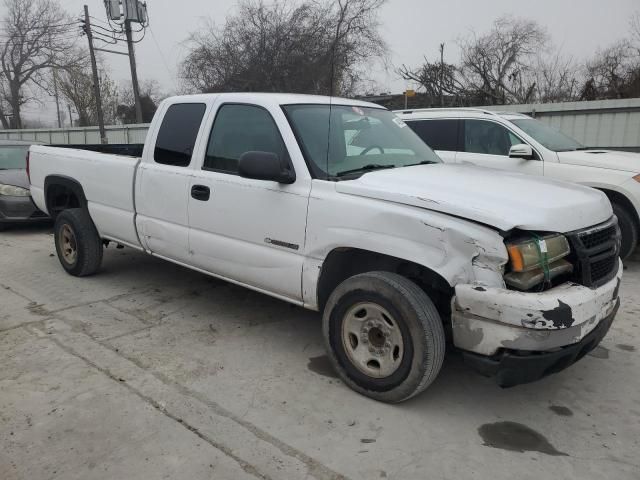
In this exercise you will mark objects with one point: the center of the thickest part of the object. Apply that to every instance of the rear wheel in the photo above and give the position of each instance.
(383, 336)
(78, 244)
(628, 230)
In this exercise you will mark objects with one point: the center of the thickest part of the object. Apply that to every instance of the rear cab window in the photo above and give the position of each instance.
(13, 157)
(178, 133)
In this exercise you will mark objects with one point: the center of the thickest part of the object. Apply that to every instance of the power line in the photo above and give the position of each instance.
(105, 29)
(164, 60)
(44, 27)
(35, 37)
(44, 40)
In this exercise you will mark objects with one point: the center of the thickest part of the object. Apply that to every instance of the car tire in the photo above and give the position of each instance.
(628, 230)
(396, 327)
(78, 244)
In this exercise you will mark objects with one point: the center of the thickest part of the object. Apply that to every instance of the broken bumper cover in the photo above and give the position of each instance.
(498, 325)
(515, 368)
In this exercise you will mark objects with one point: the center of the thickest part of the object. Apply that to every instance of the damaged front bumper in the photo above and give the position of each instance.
(522, 336)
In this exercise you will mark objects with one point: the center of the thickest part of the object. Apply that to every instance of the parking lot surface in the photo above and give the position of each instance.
(149, 370)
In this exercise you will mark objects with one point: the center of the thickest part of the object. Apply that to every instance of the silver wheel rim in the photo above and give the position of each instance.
(372, 339)
(68, 244)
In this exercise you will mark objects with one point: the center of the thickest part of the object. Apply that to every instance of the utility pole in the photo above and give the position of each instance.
(134, 73)
(55, 95)
(70, 117)
(94, 69)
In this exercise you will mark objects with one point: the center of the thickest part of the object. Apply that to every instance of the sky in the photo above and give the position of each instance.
(411, 28)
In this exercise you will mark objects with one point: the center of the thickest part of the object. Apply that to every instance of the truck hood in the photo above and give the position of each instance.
(17, 178)
(626, 161)
(500, 199)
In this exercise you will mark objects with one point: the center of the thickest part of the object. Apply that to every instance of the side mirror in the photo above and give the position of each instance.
(265, 166)
(522, 150)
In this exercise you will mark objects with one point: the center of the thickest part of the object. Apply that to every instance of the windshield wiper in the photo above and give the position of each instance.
(365, 168)
(423, 162)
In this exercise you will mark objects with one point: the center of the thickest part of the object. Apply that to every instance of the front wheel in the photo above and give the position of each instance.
(78, 244)
(383, 336)
(628, 230)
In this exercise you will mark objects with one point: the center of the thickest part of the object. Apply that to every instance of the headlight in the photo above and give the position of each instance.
(637, 178)
(13, 191)
(526, 255)
(538, 259)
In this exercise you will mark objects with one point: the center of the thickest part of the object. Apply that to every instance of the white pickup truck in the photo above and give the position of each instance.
(337, 206)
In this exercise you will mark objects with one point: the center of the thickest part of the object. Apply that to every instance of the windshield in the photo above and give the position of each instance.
(355, 140)
(13, 157)
(548, 136)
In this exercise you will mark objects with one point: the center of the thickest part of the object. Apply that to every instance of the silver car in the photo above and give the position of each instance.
(16, 205)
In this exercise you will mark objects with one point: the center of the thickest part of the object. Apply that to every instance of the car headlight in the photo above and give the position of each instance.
(13, 191)
(637, 178)
(537, 259)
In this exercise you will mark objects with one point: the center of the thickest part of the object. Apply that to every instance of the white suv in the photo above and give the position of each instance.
(517, 142)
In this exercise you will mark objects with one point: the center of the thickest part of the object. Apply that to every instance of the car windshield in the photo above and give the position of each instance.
(13, 157)
(548, 136)
(342, 141)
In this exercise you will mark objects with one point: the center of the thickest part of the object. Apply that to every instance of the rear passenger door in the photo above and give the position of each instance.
(162, 186)
(247, 230)
(440, 134)
(487, 143)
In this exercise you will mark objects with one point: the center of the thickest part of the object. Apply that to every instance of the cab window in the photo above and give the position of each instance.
(238, 129)
(178, 133)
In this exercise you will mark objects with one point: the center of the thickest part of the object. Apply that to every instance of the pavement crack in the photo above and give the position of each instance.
(15, 292)
(25, 324)
(315, 469)
(247, 467)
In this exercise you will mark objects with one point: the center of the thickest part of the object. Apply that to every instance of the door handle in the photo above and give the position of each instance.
(200, 192)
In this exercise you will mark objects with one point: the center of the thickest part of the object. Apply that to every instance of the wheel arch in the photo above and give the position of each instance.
(62, 192)
(622, 200)
(344, 262)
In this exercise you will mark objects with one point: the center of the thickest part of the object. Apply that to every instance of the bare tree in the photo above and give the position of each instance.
(634, 23)
(557, 79)
(307, 46)
(438, 79)
(499, 64)
(614, 72)
(150, 96)
(38, 36)
(76, 86)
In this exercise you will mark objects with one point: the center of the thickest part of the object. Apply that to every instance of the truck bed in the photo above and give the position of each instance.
(106, 179)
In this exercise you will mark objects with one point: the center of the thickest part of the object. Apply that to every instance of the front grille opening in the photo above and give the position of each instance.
(597, 238)
(595, 253)
(602, 268)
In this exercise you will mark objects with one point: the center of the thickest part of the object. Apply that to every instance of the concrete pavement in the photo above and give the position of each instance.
(148, 370)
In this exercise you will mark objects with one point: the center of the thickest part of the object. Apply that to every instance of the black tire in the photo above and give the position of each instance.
(628, 230)
(417, 319)
(88, 245)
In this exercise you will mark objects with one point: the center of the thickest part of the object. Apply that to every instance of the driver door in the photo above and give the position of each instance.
(487, 143)
(247, 230)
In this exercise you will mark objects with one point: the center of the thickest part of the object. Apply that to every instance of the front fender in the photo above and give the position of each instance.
(458, 250)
